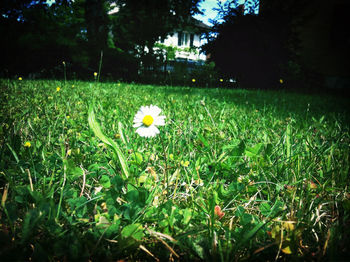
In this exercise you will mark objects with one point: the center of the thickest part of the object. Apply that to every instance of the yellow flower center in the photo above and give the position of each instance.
(147, 120)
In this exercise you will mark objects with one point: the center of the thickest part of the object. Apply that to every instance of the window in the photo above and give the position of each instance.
(185, 40)
(191, 40)
(179, 38)
(182, 39)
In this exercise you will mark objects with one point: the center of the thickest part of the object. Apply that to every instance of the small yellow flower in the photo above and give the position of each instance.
(185, 163)
(193, 80)
(95, 74)
(27, 144)
(281, 81)
(64, 63)
(73, 86)
(68, 117)
(20, 78)
(221, 80)
(171, 156)
(58, 89)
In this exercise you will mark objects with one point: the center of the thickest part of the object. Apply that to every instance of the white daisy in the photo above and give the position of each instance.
(147, 119)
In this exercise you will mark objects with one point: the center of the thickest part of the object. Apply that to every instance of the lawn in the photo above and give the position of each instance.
(232, 175)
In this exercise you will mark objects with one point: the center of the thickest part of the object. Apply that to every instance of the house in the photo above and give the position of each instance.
(187, 41)
(183, 46)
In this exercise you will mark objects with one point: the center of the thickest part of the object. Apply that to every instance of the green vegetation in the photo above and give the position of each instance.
(233, 175)
(40, 36)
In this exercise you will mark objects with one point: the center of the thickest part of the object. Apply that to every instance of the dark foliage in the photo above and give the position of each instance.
(38, 38)
(304, 43)
(250, 48)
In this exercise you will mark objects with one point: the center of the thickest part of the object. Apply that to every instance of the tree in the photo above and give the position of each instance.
(248, 47)
(139, 24)
(97, 27)
(318, 36)
(38, 37)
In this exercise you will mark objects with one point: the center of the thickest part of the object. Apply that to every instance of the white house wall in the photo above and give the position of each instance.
(172, 40)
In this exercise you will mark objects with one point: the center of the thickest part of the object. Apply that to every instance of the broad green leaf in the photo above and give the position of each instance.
(113, 229)
(253, 151)
(105, 181)
(97, 130)
(134, 230)
(132, 195)
(137, 158)
(235, 149)
(187, 216)
(265, 209)
(73, 171)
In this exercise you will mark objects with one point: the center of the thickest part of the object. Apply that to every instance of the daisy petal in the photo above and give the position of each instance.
(159, 121)
(139, 115)
(155, 110)
(155, 130)
(142, 131)
(137, 124)
(145, 110)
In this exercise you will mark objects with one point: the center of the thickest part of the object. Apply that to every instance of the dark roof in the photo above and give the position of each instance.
(196, 26)
(200, 24)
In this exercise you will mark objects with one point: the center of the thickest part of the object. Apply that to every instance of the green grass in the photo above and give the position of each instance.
(276, 163)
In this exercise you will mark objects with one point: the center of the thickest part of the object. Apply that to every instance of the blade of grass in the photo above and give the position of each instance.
(97, 131)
